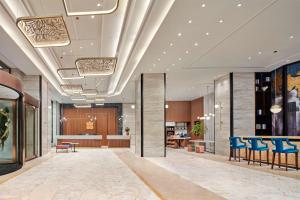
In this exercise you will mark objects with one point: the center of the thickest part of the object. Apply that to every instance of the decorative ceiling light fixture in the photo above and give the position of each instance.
(275, 108)
(44, 31)
(76, 8)
(82, 105)
(72, 88)
(96, 66)
(69, 73)
(89, 92)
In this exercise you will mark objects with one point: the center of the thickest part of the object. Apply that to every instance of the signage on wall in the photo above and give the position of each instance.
(89, 125)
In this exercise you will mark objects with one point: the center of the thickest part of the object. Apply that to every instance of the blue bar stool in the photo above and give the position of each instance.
(257, 144)
(279, 148)
(236, 143)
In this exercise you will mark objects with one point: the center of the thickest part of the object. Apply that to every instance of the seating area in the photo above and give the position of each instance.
(251, 145)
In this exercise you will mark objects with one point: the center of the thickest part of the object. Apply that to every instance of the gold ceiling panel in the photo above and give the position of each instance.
(44, 31)
(90, 7)
(96, 66)
(69, 73)
(72, 88)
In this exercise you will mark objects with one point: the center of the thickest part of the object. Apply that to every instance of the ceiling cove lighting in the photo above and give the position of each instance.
(79, 98)
(69, 73)
(82, 105)
(96, 66)
(71, 88)
(44, 31)
(89, 92)
(110, 6)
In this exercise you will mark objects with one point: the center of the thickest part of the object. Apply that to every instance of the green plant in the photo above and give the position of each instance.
(197, 129)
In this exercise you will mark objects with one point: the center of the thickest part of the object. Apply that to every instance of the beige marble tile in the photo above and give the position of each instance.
(229, 181)
(90, 174)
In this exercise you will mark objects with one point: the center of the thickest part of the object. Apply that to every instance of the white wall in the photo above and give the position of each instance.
(129, 121)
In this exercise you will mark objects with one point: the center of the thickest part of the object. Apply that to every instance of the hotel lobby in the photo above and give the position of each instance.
(151, 99)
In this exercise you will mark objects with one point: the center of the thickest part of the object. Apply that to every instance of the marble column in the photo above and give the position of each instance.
(150, 115)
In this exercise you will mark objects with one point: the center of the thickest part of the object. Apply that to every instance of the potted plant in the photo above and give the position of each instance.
(197, 129)
(127, 129)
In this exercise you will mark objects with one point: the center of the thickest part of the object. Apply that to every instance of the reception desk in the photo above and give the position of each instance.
(96, 140)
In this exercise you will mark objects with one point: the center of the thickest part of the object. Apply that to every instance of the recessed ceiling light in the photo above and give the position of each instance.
(291, 37)
(71, 50)
(93, 16)
(190, 21)
(259, 52)
(187, 52)
(173, 64)
(221, 21)
(164, 52)
(171, 44)
(249, 58)
(98, 4)
(154, 65)
(158, 59)
(179, 34)
(196, 44)
(92, 44)
(203, 5)
(81, 47)
(239, 5)
(207, 33)
(179, 58)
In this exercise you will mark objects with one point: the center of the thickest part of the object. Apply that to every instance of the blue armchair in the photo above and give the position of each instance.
(257, 144)
(280, 148)
(236, 143)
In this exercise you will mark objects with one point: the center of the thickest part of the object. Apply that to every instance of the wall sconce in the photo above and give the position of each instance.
(132, 106)
(167, 106)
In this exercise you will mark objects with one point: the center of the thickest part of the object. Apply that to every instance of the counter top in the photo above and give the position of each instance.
(80, 137)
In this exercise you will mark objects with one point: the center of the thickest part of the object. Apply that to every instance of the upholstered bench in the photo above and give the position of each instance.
(63, 147)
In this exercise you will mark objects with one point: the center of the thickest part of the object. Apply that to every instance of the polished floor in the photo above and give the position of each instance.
(90, 174)
(230, 181)
(96, 174)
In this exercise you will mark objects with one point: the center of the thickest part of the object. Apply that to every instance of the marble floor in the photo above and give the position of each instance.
(229, 181)
(90, 174)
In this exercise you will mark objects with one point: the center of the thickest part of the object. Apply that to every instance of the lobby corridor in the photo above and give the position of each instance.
(90, 174)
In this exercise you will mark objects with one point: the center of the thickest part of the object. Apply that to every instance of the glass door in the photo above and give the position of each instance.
(30, 132)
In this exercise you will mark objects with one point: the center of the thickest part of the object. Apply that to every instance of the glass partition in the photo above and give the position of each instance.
(8, 126)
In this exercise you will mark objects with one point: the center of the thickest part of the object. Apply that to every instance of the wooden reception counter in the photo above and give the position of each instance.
(96, 140)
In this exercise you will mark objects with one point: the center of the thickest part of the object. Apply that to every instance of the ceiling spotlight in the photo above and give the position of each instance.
(81, 47)
(93, 16)
(190, 21)
(173, 64)
(187, 52)
(179, 58)
(158, 59)
(171, 44)
(207, 33)
(71, 50)
(196, 44)
(92, 43)
(98, 4)
(132, 106)
(239, 5)
(249, 58)
(291, 37)
(179, 34)
(203, 5)
(221, 21)
(259, 52)
(164, 52)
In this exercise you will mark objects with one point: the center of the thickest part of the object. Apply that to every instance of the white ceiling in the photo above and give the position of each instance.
(251, 31)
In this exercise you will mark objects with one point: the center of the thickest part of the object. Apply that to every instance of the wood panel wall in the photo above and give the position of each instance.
(197, 109)
(76, 118)
(178, 111)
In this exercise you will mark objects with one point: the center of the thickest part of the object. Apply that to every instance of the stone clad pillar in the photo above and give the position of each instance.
(150, 115)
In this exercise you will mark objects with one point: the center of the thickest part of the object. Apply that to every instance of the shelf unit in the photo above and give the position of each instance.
(263, 103)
